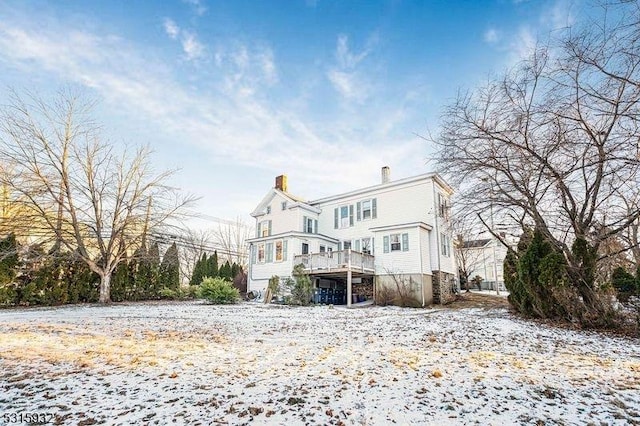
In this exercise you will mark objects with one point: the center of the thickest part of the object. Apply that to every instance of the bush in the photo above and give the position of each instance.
(169, 294)
(300, 287)
(218, 291)
(8, 295)
(190, 292)
(624, 283)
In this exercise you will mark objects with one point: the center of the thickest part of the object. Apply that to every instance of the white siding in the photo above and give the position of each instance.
(259, 273)
(440, 226)
(282, 221)
(401, 262)
(426, 255)
(395, 205)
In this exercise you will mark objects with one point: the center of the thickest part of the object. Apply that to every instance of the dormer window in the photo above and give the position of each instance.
(268, 209)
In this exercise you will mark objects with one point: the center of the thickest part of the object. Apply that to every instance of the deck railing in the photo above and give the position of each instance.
(336, 260)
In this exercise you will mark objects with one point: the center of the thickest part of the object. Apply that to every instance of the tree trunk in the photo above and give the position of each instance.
(105, 288)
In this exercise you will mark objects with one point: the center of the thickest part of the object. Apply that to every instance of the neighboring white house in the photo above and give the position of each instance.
(388, 236)
(485, 258)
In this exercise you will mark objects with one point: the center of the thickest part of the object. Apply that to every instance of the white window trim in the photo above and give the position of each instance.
(370, 210)
(391, 243)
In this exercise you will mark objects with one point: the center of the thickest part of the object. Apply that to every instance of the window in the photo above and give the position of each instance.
(396, 245)
(343, 216)
(309, 225)
(443, 206)
(268, 209)
(284, 205)
(264, 228)
(323, 249)
(366, 209)
(445, 245)
(260, 253)
(366, 245)
(279, 257)
(269, 252)
(395, 242)
(305, 248)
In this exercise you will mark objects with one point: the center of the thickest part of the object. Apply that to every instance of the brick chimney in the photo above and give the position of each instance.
(281, 183)
(386, 174)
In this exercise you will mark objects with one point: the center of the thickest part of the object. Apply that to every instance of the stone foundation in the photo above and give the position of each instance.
(443, 287)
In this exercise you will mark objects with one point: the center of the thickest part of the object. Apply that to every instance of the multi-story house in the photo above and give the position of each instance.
(484, 258)
(390, 240)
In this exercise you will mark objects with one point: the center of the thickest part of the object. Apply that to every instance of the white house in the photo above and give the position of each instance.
(370, 242)
(484, 257)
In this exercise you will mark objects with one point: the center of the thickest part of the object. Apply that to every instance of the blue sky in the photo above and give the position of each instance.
(234, 93)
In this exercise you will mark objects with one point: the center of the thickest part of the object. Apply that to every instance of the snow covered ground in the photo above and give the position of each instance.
(191, 363)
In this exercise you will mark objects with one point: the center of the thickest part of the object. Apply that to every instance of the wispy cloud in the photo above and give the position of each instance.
(345, 76)
(246, 69)
(559, 15)
(171, 28)
(345, 57)
(198, 7)
(191, 46)
(491, 36)
(522, 44)
(228, 122)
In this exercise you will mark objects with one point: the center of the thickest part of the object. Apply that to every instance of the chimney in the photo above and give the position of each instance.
(386, 174)
(281, 183)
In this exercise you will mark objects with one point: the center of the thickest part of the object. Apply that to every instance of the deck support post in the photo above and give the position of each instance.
(349, 289)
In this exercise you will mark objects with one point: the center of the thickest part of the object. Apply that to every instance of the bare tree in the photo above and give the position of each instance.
(468, 249)
(550, 141)
(191, 246)
(93, 200)
(231, 237)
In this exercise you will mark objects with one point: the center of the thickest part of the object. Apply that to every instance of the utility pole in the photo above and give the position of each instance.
(493, 238)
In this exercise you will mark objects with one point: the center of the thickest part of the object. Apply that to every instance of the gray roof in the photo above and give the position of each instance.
(476, 243)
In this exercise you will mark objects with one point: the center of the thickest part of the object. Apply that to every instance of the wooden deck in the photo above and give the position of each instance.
(337, 263)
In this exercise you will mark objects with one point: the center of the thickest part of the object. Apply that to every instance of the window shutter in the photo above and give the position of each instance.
(339, 245)
(269, 252)
(335, 218)
(269, 228)
(350, 214)
(405, 242)
(385, 244)
(359, 210)
(356, 245)
(253, 254)
(304, 224)
(373, 245)
(374, 208)
(284, 250)
(315, 226)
